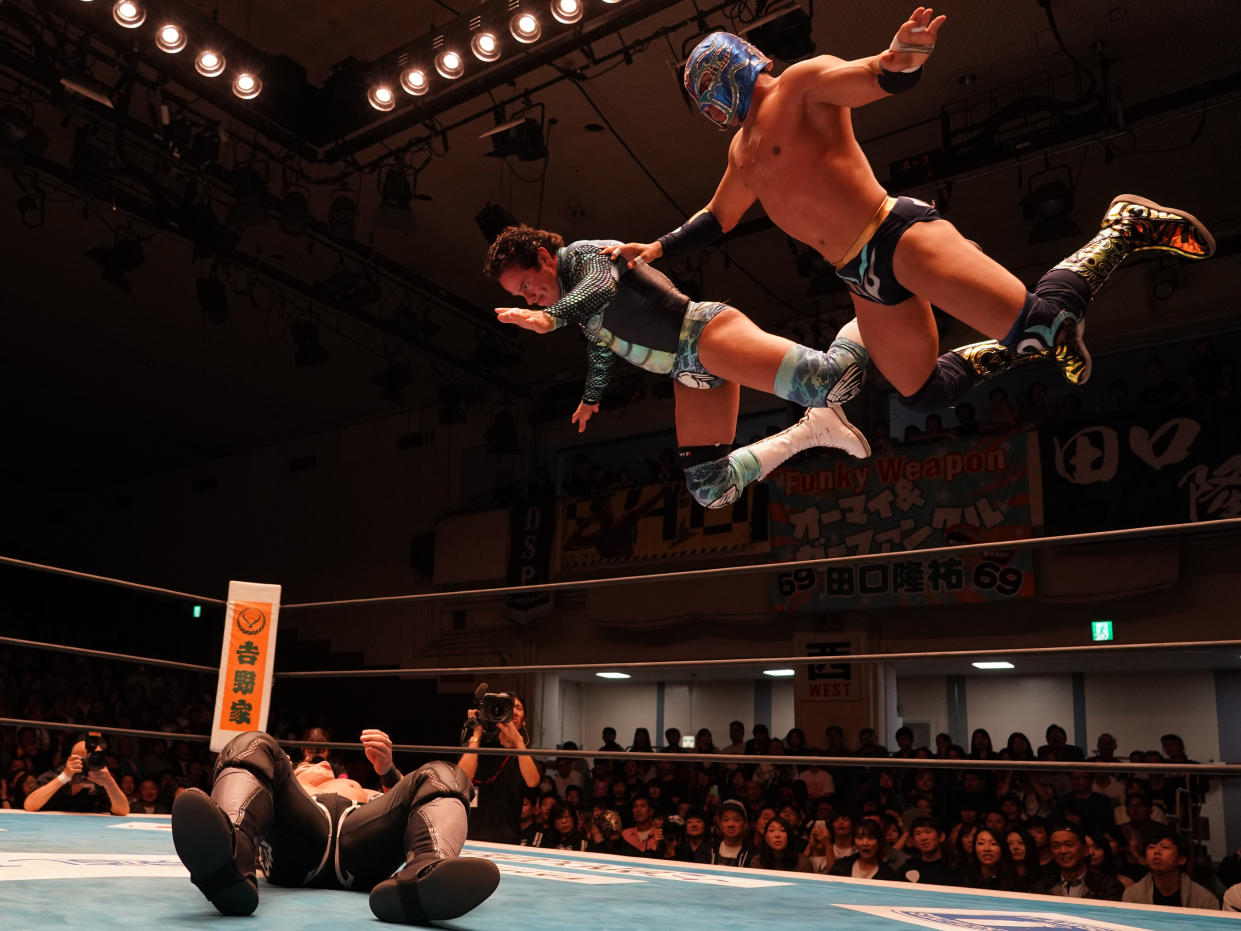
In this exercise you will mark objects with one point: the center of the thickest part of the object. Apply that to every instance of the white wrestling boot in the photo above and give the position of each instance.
(819, 426)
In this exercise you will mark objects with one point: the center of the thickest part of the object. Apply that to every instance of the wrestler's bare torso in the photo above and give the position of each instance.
(799, 157)
(318, 779)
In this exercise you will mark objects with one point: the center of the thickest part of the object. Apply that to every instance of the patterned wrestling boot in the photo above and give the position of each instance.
(1131, 224)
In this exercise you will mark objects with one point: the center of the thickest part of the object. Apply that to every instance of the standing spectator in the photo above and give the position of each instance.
(641, 741)
(1105, 749)
(904, 743)
(1166, 883)
(1057, 742)
(1074, 878)
(736, 738)
(500, 781)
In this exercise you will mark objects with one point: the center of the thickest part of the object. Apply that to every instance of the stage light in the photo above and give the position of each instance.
(381, 97)
(394, 212)
(525, 27)
(170, 38)
(414, 81)
(780, 673)
(449, 64)
(522, 138)
(1048, 204)
(250, 192)
(493, 219)
(209, 64)
(129, 13)
(566, 11)
(342, 215)
(612, 675)
(123, 256)
(485, 46)
(247, 86)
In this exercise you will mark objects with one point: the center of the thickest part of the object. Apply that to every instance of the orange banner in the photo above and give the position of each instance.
(247, 659)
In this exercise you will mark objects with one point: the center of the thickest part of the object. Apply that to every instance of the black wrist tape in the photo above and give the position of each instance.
(894, 82)
(698, 232)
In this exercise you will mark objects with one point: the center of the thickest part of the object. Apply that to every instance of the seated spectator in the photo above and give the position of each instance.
(703, 742)
(795, 742)
(843, 826)
(1166, 883)
(696, 848)
(1101, 858)
(1074, 877)
(793, 819)
(870, 860)
(1105, 749)
(78, 788)
(993, 820)
(1159, 391)
(609, 741)
(991, 865)
(672, 740)
(1024, 855)
(564, 774)
(563, 833)
(819, 846)
(21, 786)
(1128, 869)
(895, 840)
(1090, 810)
(967, 420)
(757, 745)
(734, 848)
(961, 843)
(1141, 826)
(929, 863)
(529, 831)
(818, 781)
(605, 833)
(1044, 861)
(1000, 416)
(642, 839)
(149, 800)
(775, 850)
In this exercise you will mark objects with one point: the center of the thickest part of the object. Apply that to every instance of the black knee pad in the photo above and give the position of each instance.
(440, 780)
(255, 751)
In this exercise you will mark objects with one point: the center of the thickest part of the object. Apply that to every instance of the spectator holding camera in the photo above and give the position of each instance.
(84, 785)
(499, 781)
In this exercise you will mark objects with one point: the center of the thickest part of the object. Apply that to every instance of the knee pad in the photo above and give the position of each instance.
(256, 751)
(441, 780)
(811, 378)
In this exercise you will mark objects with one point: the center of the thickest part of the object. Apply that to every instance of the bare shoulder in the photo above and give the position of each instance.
(811, 69)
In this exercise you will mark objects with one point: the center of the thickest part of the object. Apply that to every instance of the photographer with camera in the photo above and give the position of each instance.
(497, 720)
(85, 785)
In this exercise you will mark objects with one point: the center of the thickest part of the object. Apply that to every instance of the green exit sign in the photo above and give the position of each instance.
(198, 610)
(1101, 630)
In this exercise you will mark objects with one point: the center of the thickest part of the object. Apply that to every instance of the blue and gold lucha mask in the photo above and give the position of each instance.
(720, 75)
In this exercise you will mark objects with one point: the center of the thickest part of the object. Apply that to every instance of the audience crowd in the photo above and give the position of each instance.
(1124, 835)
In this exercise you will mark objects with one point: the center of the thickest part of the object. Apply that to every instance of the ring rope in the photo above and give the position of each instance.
(104, 654)
(1201, 769)
(107, 580)
(426, 672)
(1229, 523)
(432, 671)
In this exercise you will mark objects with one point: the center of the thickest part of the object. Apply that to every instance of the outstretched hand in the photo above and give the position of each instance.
(535, 320)
(582, 415)
(635, 253)
(913, 42)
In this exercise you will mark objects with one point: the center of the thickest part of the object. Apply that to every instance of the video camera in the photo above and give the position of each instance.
(494, 709)
(96, 758)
